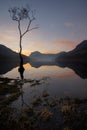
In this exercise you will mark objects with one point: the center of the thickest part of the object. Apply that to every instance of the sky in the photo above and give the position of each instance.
(62, 25)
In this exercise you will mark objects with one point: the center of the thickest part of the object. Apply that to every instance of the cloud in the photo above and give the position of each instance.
(69, 24)
(8, 37)
(53, 47)
(39, 44)
(65, 45)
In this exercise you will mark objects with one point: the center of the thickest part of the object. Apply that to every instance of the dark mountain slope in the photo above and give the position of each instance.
(8, 54)
(75, 59)
(77, 54)
(9, 59)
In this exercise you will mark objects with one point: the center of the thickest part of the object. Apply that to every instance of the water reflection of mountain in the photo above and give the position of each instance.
(38, 64)
(7, 65)
(80, 68)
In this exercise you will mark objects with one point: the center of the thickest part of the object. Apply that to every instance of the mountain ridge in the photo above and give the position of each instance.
(79, 53)
(8, 54)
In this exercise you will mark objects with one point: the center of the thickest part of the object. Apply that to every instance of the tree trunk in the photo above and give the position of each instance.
(21, 68)
(20, 45)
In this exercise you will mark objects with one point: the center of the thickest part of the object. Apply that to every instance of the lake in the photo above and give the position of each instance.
(45, 83)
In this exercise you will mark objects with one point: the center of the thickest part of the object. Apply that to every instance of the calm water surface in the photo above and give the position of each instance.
(58, 82)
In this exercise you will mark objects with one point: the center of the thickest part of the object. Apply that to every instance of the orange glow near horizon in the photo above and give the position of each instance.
(24, 52)
(27, 66)
(11, 40)
(27, 53)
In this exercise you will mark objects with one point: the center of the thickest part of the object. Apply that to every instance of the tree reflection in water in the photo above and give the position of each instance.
(21, 68)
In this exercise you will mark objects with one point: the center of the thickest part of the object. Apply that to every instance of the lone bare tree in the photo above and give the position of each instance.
(20, 14)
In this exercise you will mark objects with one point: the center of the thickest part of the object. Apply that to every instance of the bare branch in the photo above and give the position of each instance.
(28, 27)
(20, 14)
(29, 30)
(19, 28)
(33, 28)
(24, 33)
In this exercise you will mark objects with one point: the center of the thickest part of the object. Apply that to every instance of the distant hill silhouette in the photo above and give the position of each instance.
(9, 59)
(40, 57)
